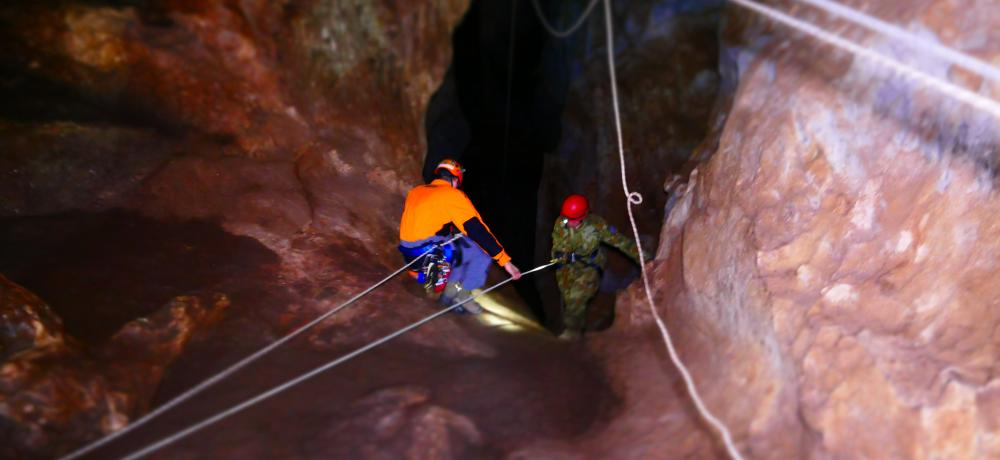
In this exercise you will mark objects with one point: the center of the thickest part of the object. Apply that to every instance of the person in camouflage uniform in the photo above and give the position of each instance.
(576, 246)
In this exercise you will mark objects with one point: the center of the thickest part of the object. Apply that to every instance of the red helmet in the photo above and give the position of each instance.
(452, 167)
(575, 207)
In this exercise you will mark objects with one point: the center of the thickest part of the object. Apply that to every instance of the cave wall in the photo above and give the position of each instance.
(666, 57)
(267, 116)
(56, 393)
(666, 65)
(828, 272)
(274, 119)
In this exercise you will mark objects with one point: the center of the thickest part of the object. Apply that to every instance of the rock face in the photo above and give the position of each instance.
(829, 272)
(265, 115)
(826, 271)
(666, 60)
(667, 76)
(278, 120)
(55, 394)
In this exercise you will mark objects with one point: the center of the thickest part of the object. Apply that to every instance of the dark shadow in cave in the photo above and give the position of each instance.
(467, 120)
(99, 271)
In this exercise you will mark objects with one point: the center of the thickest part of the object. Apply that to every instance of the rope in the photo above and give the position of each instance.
(946, 88)
(634, 198)
(303, 377)
(562, 33)
(239, 365)
(506, 123)
(955, 57)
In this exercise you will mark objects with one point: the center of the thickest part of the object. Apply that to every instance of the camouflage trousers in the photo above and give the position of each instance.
(578, 283)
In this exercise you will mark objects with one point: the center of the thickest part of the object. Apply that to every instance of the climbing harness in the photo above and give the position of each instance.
(316, 371)
(563, 258)
(435, 269)
(572, 257)
(239, 365)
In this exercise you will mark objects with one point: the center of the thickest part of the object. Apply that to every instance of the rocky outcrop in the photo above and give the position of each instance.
(295, 122)
(27, 321)
(403, 420)
(54, 393)
(265, 115)
(667, 81)
(828, 273)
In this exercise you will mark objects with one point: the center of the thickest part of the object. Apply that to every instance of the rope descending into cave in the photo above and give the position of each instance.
(243, 363)
(912, 40)
(988, 105)
(510, 78)
(562, 33)
(634, 198)
(316, 371)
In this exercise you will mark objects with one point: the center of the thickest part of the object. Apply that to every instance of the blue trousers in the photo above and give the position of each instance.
(472, 270)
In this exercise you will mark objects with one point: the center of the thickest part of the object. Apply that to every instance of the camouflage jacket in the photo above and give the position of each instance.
(585, 241)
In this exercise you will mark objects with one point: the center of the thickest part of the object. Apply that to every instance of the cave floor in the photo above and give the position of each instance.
(404, 399)
(534, 388)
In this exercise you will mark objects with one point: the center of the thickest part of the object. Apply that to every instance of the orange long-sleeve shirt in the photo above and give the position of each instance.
(431, 208)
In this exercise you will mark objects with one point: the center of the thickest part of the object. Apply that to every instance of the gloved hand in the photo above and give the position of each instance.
(514, 272)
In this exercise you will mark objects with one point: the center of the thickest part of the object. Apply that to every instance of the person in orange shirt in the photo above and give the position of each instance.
(436, 211)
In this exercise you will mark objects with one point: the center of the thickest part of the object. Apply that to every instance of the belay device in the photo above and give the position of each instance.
(435, 268)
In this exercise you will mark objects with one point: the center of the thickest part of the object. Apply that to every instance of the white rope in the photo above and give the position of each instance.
(239, 365)
(303, 377)
(634, 198)
(562, 33)
(946, 88)
(510, 77)
(912, 40)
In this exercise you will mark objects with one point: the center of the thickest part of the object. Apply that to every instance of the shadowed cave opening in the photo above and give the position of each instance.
(498, 112)
(514, 95)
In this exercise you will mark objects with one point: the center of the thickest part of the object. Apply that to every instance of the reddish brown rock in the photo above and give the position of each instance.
(667, 82)
(322, 111)
(828, 273)
(402, 420)
(27, 322)
(54, 393)
(667, 63)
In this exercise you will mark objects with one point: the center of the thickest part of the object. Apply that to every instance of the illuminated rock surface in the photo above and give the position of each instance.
(186, 181)
(829, 273)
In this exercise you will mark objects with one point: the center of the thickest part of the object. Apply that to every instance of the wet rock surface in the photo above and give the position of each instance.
(827, 272)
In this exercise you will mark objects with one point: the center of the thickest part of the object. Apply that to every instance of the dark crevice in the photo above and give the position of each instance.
(468, 117)
(99, 271)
